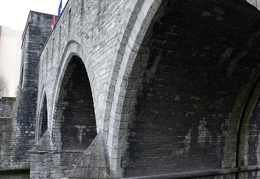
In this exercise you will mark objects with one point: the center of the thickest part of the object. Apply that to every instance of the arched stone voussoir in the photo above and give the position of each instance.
(142, 17)
(72, 48)
(73, 125)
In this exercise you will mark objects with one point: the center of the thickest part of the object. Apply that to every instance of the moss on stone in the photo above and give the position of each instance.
(5, 118)
(235, 119)
(245, 122)
(15, 174)
(15, 170)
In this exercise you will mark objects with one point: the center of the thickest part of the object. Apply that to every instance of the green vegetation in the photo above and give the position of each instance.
(5, 118)
(239, 119)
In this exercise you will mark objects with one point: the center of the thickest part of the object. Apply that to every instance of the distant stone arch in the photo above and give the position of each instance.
(42, 116)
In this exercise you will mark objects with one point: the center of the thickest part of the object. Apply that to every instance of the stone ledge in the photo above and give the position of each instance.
(249, 168)
(5, 118)
(54, 152)
(18, 170)
(201, 173)
(204, 173)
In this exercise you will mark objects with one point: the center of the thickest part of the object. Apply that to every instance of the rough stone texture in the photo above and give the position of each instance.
(40, 157)
(255, 3)
(6, 132)
(185, 95)
(42, 124)
(6, 106)
(17, 175)
(166, 83)
(93, 163)
(75, 106)
(169, 86)
(75, 116)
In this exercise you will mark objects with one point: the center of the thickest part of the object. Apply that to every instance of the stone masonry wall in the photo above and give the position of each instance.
(169, 82)
(6, 106)
(82, 34)
(181, 113)
(255, 3)
(181, 98)
(19, 139)
(6, 131)
(160, 88)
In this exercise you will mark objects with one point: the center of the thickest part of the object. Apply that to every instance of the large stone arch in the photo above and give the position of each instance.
(142, 16)
(199, 99)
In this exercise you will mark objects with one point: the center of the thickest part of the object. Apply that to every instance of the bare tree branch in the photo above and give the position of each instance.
(3, 86)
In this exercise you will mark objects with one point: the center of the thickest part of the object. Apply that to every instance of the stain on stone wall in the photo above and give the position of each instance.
(6, 106)
(187, 83)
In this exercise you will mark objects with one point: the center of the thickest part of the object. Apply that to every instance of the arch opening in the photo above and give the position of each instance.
(43, 118)
(76, 109)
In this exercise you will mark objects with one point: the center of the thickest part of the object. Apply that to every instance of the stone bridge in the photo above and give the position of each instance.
(150, 89)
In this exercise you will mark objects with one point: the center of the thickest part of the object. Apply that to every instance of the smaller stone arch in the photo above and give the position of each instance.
(42, 117)
(73, 122)
(75, 103)
(73, 48)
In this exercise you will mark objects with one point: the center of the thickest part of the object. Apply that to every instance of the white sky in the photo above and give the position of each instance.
(14, 13)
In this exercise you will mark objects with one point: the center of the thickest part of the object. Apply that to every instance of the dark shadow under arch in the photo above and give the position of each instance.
(43, 117)
(247, 157)
(76, 109)
(180, 94)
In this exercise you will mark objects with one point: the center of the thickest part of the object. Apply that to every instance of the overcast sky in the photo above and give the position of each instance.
(14, 13)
